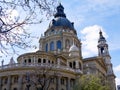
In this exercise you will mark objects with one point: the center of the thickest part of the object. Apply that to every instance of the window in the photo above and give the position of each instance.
(52, 80)
(59, 44)
(72, 81)
(39, 60)
(5, 80)
(102, 50)
(44, 60)
(25, 61)
(29, 60)
(62, 81)
(46, 48)
(70, 64)
(74, 64)
(52, 62)
(80, 66)
(48, 61)
(15, 79)
(52, 46)
(15, 89)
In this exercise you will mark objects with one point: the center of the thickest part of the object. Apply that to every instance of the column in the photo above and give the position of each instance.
(0, 82)
(55, 46)
(41, 61)
(20, 82)
(63, 44)
(77, 65)
(68, 83)
(58, 62)
(67, 64)
(58, 84)
(8, 82)
(48, 46)
(34, 59)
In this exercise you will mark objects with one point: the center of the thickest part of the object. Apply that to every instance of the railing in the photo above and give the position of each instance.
(52, 66)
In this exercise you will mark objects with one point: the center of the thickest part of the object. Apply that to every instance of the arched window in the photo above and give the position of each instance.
(39, 60)
(29, 60)
(25, 61)
(102, 50)
(46, 48)
(59, 44)
(48, 61)
(52, 46)
(70, 64)
(44, 60)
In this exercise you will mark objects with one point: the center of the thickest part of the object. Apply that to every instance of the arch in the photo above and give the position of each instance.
(52, 62)
(46, 48)
(48, 61)
(39, 60)
(59, 46)
(70, 64)
(102, 50)
(29, 60)
(52, 46)
(44, 60)
(25, 61)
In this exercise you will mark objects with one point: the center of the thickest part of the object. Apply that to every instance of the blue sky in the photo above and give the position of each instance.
(89, 16)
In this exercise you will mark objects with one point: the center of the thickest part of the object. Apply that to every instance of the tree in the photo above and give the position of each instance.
(15, 15)
(90, 82)
(41, 77)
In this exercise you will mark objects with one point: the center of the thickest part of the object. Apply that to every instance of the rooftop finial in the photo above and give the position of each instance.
(100, 32)
(60, 11)
(101, 38)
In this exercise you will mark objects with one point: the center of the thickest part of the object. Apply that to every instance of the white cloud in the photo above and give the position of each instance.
(117, 81)
(117, 68)
(90, 37)
(117, 71)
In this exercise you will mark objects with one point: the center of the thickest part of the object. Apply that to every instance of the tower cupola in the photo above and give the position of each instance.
(74, 50)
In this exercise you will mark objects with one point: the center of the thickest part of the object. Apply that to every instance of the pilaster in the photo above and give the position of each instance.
(8, 83)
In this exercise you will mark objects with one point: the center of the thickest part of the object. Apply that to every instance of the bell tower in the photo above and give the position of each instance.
(102, 46)
(104, 53)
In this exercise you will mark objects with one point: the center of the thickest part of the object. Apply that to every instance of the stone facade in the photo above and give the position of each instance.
(59, 60)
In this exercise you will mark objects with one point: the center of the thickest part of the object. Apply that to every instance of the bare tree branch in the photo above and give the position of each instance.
(15, 15)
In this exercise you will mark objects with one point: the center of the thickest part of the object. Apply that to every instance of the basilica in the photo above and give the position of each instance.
(59, 62)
